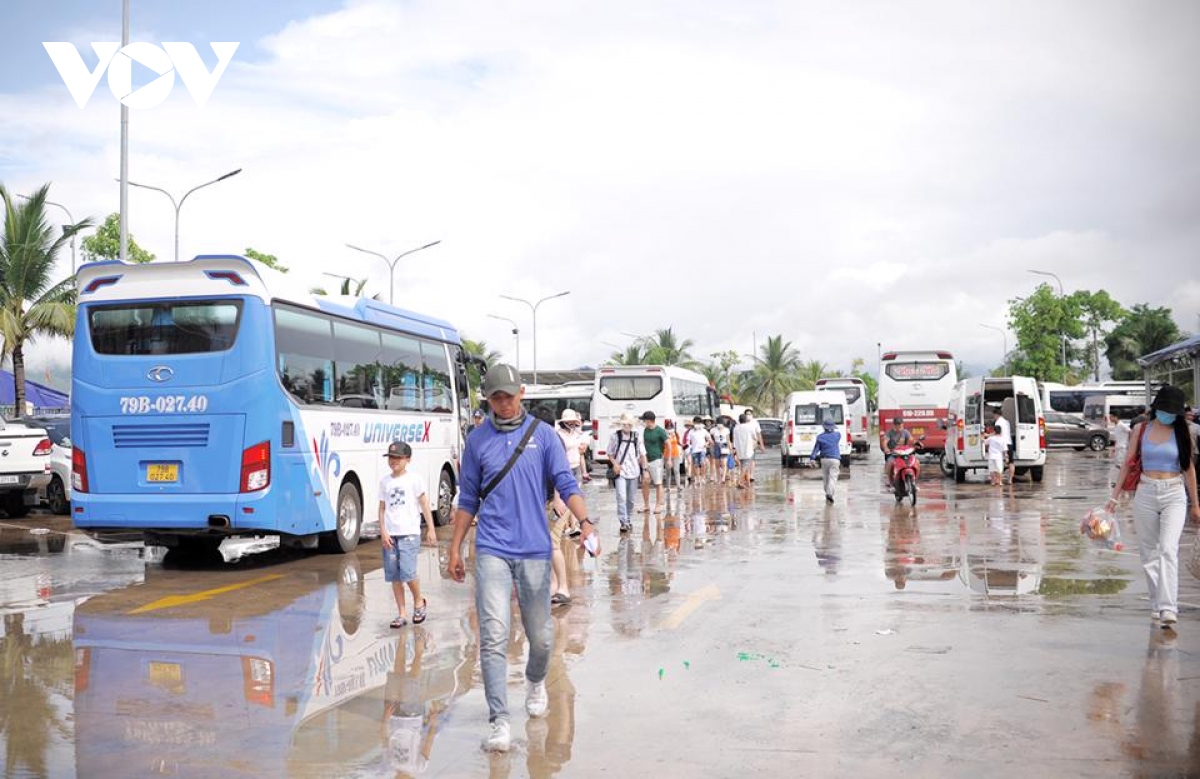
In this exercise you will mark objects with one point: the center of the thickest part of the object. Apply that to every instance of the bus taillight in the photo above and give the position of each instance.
(958, 425)
(79, 479)
(1041, 432)
(258, 681)
(83, 667)
(864, 424)
(256, 468)
(791, 430)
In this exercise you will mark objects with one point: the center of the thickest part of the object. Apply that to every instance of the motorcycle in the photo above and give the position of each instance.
(903, 472)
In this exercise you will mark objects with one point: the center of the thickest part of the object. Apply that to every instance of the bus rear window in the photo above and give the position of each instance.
(812, 414)
(181, 327)
(630, 387)
(916, 371)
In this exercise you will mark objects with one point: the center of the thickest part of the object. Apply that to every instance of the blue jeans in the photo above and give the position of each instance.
(626, 489)
(494, 579)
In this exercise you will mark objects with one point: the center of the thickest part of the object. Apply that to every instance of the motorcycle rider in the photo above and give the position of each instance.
(894, 437)
(827, 451)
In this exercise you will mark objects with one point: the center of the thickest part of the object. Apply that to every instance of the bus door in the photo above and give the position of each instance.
(1027, 430)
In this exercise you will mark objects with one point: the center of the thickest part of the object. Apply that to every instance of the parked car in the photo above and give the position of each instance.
(24, 465)
(56, 494)
(772, 430)
(1064, 430)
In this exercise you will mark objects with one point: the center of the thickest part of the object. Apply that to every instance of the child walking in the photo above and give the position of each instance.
(996, 447)
(403, 500)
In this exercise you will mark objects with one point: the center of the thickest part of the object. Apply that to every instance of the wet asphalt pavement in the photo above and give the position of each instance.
(737, 633)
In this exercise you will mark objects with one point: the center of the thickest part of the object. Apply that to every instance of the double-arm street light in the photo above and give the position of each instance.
(534, 307)
(179, 205)
(392, 264)
(516, 331)
(70, 218)
(1003, 333)
(1061, 294)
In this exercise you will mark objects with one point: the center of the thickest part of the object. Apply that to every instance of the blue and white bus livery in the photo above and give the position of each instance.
(214, 397)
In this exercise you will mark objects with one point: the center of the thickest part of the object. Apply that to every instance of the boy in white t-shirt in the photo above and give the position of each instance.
(403, 500)
(995, 446)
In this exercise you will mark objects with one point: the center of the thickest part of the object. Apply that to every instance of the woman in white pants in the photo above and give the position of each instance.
(1161, 502)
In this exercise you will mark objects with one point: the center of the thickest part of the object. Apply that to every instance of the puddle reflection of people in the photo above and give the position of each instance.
(409, 725)
(903, 536)
(550, 739)
(827, 543)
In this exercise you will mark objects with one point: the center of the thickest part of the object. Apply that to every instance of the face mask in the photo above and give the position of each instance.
(1164, 417)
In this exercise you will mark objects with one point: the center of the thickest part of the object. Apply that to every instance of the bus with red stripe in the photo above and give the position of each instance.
(917, 386)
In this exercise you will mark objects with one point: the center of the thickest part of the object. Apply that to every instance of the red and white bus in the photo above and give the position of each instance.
(917, 386)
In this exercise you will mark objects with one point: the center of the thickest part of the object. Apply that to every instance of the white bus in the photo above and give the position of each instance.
(917, 386)
(858, 419)
(669, 391)
(1068, 399)
(549, 401)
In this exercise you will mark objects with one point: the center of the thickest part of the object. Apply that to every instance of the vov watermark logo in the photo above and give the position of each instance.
(172, 58)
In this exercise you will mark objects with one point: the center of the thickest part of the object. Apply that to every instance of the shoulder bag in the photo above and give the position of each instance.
(1134, 474)
(512, 459)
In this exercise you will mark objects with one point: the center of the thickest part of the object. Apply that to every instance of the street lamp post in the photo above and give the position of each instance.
(534, 307)
(391, 264)
(178, 206)
(1061, 294)
(516, 331)
(70, 218)
(1005, 336)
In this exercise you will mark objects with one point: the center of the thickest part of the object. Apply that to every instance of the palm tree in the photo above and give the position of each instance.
(774, 372)
(634, 354)
(30, 305)
(809, 372)
(481, 350)
(665, 348)
(1142, 331)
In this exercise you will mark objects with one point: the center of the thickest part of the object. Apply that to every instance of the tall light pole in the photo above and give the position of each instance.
(70, 218)
(1061, 294)
(179, 205)
(124, 217)
(1003, 333)
(534, 307)
(516, 337)
(391, 264)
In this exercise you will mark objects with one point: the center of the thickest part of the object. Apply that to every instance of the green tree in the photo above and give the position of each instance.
(858, 369)
(30, 304)
(774, 372)
(634, 354)
(809, 372)
(1041, 322)
(1142, 331)
(478, 349)
(721, 375)
(105, 243)
(270, 260)
(666, 348)
(1098, 309)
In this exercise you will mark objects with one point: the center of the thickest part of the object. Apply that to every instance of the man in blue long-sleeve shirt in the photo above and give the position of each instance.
(512, 540)
(828, 452)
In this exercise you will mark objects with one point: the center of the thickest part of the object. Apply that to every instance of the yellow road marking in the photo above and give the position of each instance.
(693, 602)
(183, 600)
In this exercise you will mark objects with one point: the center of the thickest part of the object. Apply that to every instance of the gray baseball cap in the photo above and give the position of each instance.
(501, 378)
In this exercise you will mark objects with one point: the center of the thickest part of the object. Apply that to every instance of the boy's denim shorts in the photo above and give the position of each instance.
(400, 562)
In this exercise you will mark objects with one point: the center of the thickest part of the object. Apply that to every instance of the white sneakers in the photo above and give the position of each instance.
(499, 739)
(536, 700)
(1169, 619)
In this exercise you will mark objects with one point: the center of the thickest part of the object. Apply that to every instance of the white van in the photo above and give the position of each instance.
(859, 419)
(971, 407)
(1096, 408)
(803, 415)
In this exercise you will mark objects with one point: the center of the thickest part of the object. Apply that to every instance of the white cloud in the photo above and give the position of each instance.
(844, 175)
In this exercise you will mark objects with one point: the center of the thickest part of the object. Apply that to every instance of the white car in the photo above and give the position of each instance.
(56, 494)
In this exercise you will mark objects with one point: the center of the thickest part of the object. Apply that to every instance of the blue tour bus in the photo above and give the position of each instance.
(216, 397)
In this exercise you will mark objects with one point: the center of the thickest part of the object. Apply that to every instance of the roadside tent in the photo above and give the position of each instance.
(1178, 357)
(41, 397)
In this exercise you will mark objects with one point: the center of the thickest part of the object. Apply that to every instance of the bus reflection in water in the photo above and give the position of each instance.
(277, 682)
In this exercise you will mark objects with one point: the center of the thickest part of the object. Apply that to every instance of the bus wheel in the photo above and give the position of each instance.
(344, 538)
(960, 474)
(445, 499)
(1037, 472)
(945, 464)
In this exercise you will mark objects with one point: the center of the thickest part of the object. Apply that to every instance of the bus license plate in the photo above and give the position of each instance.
(918, 431)
(162, 472)
(806, 436)
(168, 676)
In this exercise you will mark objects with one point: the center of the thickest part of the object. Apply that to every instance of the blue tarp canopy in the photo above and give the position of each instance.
(41, 396)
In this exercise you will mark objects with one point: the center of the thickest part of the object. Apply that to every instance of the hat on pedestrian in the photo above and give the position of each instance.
(501, 378)
(828, 424)
(1169, 399)
(569, 415)
(648, 416)
(478, 413)
(626, 419)
(398, 449)
(898, 419)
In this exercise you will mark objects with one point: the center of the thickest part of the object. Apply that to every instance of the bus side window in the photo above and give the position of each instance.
(972, 410)
(436, 379)
(304, 343)
(401, 366)
(357, 365)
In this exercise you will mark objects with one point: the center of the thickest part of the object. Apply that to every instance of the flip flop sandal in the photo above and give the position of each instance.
(419, 612)
(399, 622)
(559, 599)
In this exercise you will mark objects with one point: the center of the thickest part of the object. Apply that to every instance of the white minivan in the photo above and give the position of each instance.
(803, 415)
(1096, 408)
(971, 407)
(858, 421)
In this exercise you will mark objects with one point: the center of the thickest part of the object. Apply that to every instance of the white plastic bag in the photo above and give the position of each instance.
(1102, 527)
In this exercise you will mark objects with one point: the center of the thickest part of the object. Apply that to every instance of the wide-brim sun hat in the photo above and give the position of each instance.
(626, 419)
(1169, 399)
(569, 415)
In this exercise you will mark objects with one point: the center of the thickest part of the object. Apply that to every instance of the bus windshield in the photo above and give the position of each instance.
(630, 387)
(179, 327)
(917, 371)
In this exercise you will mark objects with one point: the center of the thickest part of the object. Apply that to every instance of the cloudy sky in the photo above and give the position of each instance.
(845, 174)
